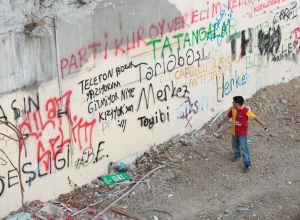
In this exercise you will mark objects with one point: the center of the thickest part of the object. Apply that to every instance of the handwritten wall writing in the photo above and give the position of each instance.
(162, 94)
(169, 63)
(36, 125)
(187, 108)
(236, 82)
(265, 5)
(135, 39)
(88, 156)
(286, 14)
(160, 117)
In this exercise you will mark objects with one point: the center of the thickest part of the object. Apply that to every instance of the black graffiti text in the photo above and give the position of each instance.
(285, 14)
(162, 95)
(171, 62)
(88, 83)
(127, 93)
(95, 105)
(160, 116)
(116, 112)
(89, 156)
(93, 93)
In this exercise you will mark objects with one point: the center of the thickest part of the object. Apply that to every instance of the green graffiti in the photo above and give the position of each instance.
(231, 28)
(189, 39)
(153, 43)
(178, 36)
(186, 39)
(166, 44)
(255, 60)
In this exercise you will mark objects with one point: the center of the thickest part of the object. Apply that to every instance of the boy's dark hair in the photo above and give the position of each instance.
(238, 99)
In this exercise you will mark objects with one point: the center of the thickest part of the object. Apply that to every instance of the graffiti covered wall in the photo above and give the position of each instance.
(133, 74)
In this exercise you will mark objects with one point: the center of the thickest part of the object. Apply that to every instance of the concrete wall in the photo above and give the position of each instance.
(87, 90)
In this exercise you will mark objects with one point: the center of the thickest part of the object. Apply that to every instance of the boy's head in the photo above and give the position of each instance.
(238, 100)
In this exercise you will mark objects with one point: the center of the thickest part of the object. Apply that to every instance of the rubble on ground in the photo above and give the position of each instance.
(195, 178)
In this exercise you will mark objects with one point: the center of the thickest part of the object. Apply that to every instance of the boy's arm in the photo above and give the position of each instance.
(223, 121)
(259, 121)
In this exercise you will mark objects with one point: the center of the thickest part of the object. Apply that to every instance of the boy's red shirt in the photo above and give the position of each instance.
(240, 120)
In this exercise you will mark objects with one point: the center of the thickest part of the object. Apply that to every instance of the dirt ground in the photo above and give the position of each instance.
(198, 179)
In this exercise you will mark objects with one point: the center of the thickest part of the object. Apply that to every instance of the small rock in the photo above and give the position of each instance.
(101, 184)
(178, 156)
(90, 185)
(178, 145)
(175, 139)
(190, 142)
(97, 193)
(20, 216)
(153, 149)
(110, 195)
(243, 209)
(85, 1)
(147, 153)
(226, 211)
(202, 132)
(183, 142)
(142, 160)
(41, 31)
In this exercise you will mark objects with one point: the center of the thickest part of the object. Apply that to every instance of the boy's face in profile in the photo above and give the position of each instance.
(235, 104)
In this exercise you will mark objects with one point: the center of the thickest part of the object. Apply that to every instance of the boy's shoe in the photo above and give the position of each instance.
(247, 169)
(235, 159)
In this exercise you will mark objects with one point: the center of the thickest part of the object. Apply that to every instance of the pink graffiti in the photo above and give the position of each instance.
(57, 119)
(297, 33)
(187, 114)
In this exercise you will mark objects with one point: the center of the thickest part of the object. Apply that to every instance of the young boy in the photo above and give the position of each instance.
(239, 114)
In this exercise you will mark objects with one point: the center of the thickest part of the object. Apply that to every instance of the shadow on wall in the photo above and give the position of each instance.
(120, 26)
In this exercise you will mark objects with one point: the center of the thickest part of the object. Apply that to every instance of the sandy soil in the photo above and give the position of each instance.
(199, 181)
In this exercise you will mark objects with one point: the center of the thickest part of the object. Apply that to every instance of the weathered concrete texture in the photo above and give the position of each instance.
(41, 31)
(26, 61)
(15, 14)
(20, 216)
(128, 18)
(113, 23)
(11, 18)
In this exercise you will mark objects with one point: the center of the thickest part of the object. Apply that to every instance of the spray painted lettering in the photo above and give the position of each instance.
(172, 62)
(89, 156)
(285, 14)
(187, 108)
(150, 122)
(238, 81)
(162, 95)
(36, 125)
(266, 5)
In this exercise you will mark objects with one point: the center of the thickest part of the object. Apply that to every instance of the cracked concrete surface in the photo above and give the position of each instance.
(14, 15)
